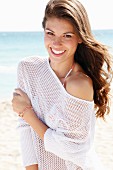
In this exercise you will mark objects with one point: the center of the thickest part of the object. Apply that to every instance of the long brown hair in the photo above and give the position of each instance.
(91, 55)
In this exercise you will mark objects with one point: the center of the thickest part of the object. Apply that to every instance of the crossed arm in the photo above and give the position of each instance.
(19, 102)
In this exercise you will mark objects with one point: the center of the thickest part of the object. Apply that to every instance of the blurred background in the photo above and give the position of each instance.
(21, 35)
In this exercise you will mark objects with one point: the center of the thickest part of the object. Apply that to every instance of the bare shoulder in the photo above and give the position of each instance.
(81, 86)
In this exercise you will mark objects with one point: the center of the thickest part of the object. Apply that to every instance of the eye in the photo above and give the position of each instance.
(49, 33)
(67, 36)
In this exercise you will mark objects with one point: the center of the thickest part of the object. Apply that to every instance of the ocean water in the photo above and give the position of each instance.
(15, 46)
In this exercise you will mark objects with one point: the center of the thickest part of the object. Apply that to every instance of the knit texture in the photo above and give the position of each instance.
(71, 121)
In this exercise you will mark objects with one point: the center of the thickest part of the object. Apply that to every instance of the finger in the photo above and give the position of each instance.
(15, 94)
(19, 92)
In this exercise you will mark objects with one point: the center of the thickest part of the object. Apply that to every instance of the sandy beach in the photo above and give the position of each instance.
(10, 155)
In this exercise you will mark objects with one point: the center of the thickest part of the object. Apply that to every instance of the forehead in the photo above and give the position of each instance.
(59, 24)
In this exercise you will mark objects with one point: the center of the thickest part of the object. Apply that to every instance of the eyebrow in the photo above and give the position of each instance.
(47, 29)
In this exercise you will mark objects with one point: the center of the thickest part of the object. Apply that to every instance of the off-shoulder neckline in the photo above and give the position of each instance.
(62, 87)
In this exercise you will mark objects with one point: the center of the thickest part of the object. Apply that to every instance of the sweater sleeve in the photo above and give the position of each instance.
(27, 148)
(71, 140)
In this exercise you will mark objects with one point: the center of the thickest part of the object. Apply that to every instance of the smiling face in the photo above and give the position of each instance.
(60, 39)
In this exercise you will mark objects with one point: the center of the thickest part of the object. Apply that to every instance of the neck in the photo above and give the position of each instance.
(61, 69)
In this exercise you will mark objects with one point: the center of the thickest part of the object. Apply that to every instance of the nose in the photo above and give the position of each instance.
(57, 41)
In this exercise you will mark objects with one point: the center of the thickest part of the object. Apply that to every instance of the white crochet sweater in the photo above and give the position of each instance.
(71, 121)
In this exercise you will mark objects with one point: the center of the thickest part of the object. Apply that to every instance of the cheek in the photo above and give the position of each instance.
(46, 41)
(72, 45)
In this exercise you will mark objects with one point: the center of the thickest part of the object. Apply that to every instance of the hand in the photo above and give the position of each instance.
(20, 101)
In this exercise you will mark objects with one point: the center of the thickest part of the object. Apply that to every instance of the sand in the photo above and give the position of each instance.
(10, 154)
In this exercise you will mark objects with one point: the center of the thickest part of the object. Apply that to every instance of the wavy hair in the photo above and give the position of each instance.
(91, 55)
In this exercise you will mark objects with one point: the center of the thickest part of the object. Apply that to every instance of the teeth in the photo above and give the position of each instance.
(57, 52)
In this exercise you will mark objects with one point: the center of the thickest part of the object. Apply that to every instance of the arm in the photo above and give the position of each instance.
(27, 148)
(71, 140)
(32, 167)
(19, 103)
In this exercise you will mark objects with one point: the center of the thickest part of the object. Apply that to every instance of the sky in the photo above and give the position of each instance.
(27, 15)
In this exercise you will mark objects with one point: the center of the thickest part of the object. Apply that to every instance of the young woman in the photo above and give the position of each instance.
(59, 97)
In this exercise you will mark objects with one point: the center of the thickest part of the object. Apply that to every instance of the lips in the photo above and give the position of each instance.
(57, 52)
